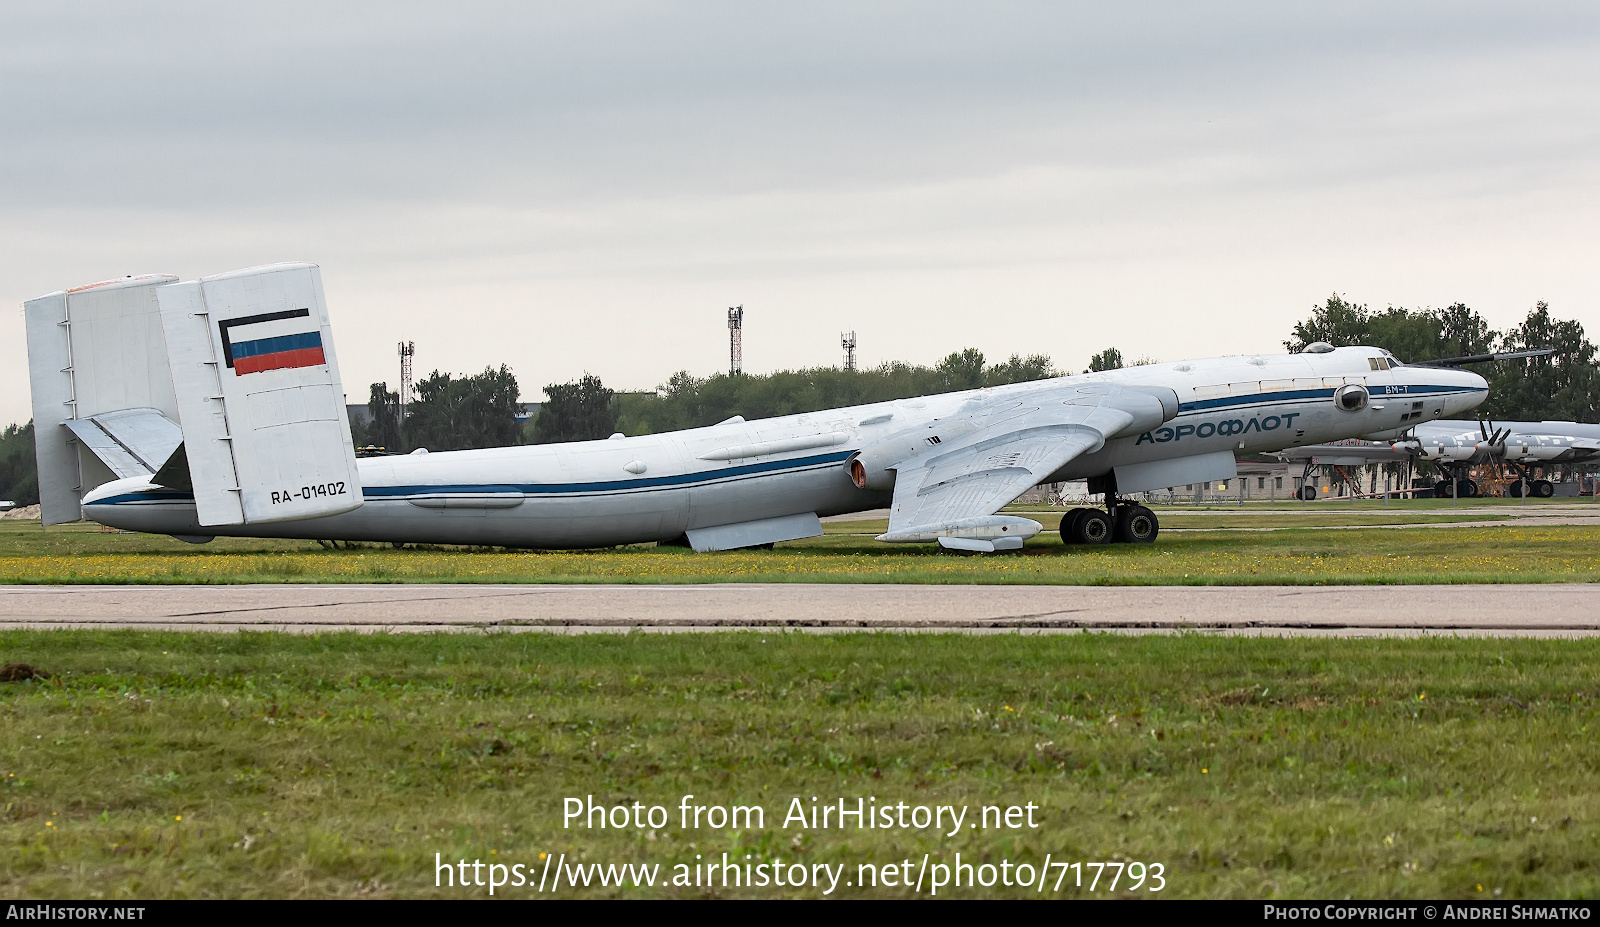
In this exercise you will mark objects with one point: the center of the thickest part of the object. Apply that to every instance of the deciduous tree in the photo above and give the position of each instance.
(1561, 387)
(458, 413)
(1109, 359)
(382, 428)
(578, 411)
(19, 476)
(962, 370)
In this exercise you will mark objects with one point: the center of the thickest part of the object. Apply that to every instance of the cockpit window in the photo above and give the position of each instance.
(1378, 363)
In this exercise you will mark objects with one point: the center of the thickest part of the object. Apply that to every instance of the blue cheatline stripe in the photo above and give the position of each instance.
(1303, 394)
(393, 492)
(1225, 401)
(543, 489)
(277, 345)
(154, 495)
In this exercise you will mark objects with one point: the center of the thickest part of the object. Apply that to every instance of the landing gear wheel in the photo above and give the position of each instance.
(1441, 489)
(1467, 489)
(1543, 489)
(1069, 526)
(1087, 527)
(1092, 527)
(1514, 491)
(1307, 492)
(1135, 524)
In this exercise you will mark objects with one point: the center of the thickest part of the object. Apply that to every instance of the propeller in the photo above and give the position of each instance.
(1495, 441)
(1408, 443)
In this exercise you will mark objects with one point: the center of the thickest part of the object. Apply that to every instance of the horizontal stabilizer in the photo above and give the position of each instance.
(113, 455)
(132, 442)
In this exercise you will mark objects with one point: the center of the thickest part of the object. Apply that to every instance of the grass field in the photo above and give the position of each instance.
(1393, 506)
(1300, 556)
(249, 765)
(1247, 519)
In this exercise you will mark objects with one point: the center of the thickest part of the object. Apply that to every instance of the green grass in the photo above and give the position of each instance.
(261, 765)
(1219, 520)
(1286, 504)
(1296, 556)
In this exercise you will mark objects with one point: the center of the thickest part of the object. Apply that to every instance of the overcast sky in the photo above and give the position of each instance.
(587, 186)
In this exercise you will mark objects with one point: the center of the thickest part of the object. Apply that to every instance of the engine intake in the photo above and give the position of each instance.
(1352, 397)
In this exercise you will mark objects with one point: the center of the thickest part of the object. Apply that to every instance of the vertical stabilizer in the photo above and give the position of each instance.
(259, 396)
(91, 350)
(50, 377)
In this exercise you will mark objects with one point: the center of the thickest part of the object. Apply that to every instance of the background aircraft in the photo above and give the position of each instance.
(214, 407)
(1455, 446)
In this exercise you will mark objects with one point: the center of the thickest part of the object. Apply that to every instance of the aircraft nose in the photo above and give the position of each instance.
(1476, 391)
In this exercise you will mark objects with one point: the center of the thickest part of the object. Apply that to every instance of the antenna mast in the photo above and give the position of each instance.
(407, 348)
(735, 340)
(848, 339)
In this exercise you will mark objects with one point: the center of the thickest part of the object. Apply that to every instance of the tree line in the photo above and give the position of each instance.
(478, 411)
(687, 401)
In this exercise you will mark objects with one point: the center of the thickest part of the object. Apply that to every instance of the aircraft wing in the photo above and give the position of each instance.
(1566, 449)
(951, 494)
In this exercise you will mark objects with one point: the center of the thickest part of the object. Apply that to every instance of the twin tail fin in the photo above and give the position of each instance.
(227, 387)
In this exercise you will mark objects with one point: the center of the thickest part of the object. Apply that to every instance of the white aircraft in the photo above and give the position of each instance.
(214, 407)
(1455, 446)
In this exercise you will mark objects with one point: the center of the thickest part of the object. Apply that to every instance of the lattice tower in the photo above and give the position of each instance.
(735, 340)
(407, 348)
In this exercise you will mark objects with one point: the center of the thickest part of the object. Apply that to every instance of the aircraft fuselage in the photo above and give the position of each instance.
(657, 487)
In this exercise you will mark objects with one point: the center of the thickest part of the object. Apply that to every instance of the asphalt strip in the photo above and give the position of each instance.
(1538, 610)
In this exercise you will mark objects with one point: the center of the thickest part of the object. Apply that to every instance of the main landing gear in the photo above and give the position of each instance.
(1525, 483)
(1122, 522)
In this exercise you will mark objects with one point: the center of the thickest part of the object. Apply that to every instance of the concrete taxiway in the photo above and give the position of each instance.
(1495, 610)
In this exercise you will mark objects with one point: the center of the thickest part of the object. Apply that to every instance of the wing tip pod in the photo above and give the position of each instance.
(987, 528)
(979, 546)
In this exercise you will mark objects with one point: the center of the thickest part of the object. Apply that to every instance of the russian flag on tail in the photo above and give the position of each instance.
(271, 348)
(303, 350)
